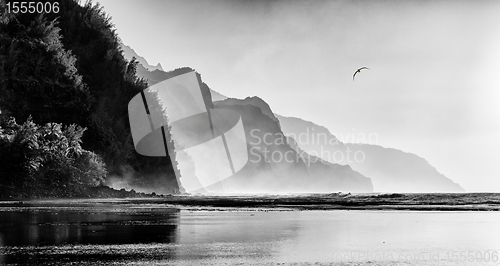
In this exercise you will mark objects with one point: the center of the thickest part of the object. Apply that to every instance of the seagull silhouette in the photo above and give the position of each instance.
(357, 71)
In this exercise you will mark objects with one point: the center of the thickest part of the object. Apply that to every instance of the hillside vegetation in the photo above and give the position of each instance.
(64, 92)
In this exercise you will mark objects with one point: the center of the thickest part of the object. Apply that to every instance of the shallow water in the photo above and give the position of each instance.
(146, 234)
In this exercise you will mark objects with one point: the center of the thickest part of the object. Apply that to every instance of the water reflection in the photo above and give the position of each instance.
(21, 228)
(1, 245)
(140, 234)
(232, 236)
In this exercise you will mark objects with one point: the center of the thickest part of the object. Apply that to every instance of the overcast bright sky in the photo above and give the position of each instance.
(433, 88)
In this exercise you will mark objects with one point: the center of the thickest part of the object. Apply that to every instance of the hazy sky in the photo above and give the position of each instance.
(433, 88)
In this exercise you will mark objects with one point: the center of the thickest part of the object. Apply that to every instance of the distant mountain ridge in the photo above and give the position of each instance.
(390, 170)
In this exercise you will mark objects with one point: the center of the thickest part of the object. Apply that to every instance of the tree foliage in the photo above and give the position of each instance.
(46, 160)
(68, 68)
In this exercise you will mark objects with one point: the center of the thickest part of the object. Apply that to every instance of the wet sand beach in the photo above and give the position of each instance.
(326, 229)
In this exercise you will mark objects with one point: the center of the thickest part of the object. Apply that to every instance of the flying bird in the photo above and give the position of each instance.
(357, 71)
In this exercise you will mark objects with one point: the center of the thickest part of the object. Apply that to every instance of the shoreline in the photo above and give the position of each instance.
(300, 202)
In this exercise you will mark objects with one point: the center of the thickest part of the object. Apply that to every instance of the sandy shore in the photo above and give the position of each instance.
(333, 201)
